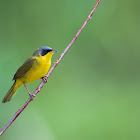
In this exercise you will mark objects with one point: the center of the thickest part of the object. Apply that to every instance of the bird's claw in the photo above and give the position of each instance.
(45, 79)
(31, 96)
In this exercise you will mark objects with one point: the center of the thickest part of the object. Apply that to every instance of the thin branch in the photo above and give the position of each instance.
(51, 70)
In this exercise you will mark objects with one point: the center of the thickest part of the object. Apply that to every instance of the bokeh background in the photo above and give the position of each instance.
(94, 93)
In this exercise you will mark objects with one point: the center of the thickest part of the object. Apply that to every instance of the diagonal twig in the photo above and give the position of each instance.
(51, 70)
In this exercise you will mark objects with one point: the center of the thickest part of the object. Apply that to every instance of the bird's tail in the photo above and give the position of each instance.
(12, 91)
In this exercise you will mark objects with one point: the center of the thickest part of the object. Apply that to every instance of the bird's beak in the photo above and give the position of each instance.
(53, 51)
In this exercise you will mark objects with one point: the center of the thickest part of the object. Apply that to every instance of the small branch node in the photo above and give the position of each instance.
(89, 17)
(56, 62)
(38, 89)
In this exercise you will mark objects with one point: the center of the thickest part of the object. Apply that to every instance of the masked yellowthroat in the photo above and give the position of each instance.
(34, 68)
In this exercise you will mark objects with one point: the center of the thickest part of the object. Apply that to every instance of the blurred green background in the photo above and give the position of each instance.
(94, 93)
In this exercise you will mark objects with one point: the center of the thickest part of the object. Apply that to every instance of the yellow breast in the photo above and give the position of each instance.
(38, 69)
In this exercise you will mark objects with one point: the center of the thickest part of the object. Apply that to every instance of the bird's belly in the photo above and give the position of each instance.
(36, 72)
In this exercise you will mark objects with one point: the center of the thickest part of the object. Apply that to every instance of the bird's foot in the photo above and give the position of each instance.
(45, 79)
(31, 96)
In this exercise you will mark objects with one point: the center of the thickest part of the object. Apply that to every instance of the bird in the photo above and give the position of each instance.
(34, 68)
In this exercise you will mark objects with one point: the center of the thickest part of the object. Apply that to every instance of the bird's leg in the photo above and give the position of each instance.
(45, 79)
(31, 95)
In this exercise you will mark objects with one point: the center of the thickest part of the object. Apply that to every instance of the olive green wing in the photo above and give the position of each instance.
(24, 68)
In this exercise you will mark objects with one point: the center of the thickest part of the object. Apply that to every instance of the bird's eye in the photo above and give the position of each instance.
(45, 51)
